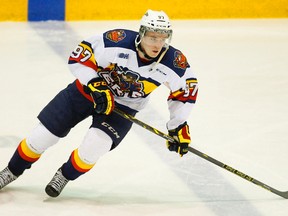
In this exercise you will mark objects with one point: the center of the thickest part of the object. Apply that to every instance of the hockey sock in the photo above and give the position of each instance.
(75, 166)
(22, 159)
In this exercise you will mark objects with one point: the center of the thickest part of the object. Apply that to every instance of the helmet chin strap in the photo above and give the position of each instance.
(144, 53)
(139, 48)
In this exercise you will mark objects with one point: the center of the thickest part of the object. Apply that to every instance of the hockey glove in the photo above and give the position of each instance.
(102, 96)
(182, 137)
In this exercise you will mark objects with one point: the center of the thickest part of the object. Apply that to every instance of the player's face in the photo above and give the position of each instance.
(153, 42)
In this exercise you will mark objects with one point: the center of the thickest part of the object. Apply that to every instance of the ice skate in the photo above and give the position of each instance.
(6, 177)
(57, 184)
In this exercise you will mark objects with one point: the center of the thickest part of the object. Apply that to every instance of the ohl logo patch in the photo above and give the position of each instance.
(180, 60)
(115, 35)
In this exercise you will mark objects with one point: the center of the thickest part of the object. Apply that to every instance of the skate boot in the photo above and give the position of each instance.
(6, 177)
(57, 184)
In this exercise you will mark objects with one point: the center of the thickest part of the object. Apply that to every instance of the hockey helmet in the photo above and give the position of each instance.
(156, 21)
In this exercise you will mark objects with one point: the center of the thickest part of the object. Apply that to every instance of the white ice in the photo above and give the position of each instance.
(241, 119)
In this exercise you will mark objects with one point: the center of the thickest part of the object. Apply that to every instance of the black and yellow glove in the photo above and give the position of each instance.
(182, 137)
(101, 95)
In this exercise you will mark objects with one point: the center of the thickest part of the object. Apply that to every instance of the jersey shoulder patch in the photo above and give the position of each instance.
(120, 38)
(176, 60)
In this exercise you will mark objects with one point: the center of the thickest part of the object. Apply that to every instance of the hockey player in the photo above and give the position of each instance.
(117, 68)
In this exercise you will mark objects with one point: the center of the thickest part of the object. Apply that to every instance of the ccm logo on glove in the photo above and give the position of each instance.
(102, 96)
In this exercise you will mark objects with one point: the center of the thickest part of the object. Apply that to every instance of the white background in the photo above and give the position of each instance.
(240, 119)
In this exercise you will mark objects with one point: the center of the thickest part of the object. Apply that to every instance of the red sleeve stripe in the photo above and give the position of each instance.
(81, 90)
(180, 96)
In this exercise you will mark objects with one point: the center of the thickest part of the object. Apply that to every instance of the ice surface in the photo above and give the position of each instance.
(240, 119)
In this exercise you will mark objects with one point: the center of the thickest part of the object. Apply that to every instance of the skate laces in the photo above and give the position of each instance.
(59, 181)
(6, 177)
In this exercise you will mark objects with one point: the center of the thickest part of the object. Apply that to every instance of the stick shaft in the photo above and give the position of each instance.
(283, 194)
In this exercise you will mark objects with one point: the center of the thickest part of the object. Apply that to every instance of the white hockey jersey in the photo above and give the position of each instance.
(113, 56)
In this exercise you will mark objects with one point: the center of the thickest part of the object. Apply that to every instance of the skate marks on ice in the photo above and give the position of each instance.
(211, 191)
(207, 185)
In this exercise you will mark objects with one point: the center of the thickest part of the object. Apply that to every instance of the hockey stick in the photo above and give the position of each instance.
(131, 118)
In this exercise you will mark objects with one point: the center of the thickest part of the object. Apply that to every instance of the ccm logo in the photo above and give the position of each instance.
(111, 129)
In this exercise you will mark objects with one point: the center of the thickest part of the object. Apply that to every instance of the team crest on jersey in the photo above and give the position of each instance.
(115, 35)
(122, 81)
(180, 60)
